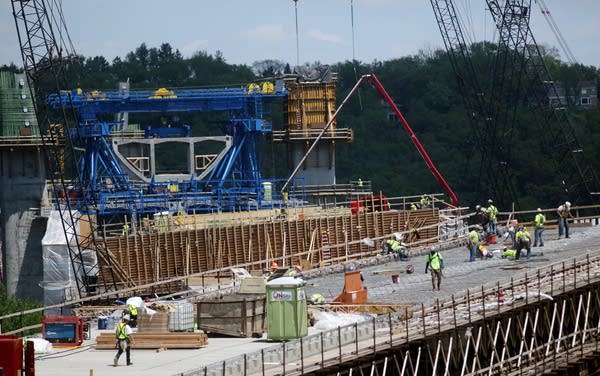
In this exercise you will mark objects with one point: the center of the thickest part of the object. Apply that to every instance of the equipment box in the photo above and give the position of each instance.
(235, 315)
(63, 330)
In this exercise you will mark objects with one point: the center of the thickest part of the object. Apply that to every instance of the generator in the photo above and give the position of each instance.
(63, 330)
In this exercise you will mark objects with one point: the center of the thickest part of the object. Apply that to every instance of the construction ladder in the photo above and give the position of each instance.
(325, 250)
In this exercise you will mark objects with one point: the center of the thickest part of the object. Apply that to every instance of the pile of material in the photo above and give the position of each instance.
(106, 341)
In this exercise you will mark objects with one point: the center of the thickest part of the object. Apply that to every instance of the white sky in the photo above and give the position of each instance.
(246, 31)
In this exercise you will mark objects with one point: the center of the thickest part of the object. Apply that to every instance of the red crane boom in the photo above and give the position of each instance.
(413, 137)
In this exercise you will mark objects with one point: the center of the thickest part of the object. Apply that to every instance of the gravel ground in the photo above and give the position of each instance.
(459, 273)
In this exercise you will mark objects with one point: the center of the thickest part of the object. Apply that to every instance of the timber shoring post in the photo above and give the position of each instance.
(526, 289)
(575, 273)
(512, 287)
(283, 358)
(390, 326)
(406, 322)
(301, 356)
(423, 318)
(469, 304)
(262, 358)
(551, 280)
(339, 335)
(454, 310)
(374, 336)
(563, 277)
(356, 338)
(437, 300)
(498, 294)
(322, 352)
(245, 364)
(483, 301)
(539, 283)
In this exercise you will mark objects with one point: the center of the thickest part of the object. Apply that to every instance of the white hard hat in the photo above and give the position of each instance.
(567, 203)
(539, 210)
(490, 201)
(126, 317)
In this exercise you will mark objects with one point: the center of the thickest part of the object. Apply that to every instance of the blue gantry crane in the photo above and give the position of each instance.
(232, 182)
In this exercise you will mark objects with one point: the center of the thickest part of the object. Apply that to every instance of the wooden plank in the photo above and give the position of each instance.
(107, 341)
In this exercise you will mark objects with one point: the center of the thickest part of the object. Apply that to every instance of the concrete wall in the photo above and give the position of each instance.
(21, 187)
(320, 164)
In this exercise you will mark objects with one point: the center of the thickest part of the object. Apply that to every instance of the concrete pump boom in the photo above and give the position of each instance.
(413, 137)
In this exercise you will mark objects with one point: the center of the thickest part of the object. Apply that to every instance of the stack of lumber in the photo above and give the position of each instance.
(106, 341)
(155, 323)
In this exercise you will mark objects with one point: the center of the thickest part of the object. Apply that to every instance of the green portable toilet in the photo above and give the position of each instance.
(286, 309)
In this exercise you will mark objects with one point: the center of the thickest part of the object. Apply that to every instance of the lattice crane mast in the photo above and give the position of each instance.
(518, 72)
(46, 50)
(573, 173)
(473, 94)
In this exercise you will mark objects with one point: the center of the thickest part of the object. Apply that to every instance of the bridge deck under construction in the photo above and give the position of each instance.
(547, 321)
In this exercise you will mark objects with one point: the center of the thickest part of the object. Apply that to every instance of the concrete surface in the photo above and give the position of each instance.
(412, 288)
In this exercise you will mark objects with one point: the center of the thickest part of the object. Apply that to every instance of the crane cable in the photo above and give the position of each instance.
(556, 31)
(297, 36)
(354, 62)
(56, 15)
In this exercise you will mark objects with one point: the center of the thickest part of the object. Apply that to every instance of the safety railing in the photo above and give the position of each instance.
(349, 342)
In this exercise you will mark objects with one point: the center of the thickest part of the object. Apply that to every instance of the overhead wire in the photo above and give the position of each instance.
(56, 15)
(354, 62)
(297, 35)
(556, 31)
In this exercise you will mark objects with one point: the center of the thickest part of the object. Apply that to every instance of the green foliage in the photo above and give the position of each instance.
(8, 305)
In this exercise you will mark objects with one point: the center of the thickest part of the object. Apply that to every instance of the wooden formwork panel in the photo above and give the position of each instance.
(146, 258)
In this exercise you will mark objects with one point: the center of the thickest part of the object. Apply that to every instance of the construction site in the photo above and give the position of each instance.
(227, 271)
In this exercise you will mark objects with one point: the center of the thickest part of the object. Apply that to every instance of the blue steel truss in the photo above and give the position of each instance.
(235, 183)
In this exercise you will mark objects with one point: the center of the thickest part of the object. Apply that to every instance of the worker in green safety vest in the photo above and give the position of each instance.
(317, 298)
(492, 214)
(539, 228)
(435, 261)
(124, 340)
(133, 314)
(523, 242)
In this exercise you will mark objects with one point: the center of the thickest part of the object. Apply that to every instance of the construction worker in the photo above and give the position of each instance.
(317, 298)
(396, 248)
(435, 261)
(425, 201)
(474, 242)
(523, 241)
(124, 340)
(509, 252)
(133, 314)
(564, 213)
(539, 228)
(492, 214)
(294, 272)
(274, 266)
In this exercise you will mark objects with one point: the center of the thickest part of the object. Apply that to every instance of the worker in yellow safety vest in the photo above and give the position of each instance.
(474, 242)
(124, 340)
(294, 272)
(492, 214)
(435, 261)
(539, 228)
(133, 314)
(523, 241)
